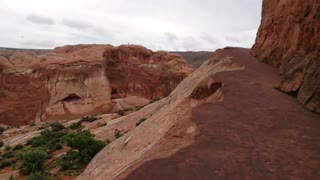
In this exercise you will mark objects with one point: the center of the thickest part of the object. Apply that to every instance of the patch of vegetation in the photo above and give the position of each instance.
(32, 161)
(8, 154)
(154, 100)
(32, 124)
(76, 125)
(8, 148)
(1, 144)
(2, 129)
(117, 133)
(140, 121)
(137, 108)
(83, 142)
(57, 126)
(69, 161)
(88, 118)
(123, 111)
(17, 147)
(7, 163)
(36, 176)
(51, 140)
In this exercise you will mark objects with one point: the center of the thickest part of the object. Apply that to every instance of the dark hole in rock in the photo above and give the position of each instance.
(205, 91)
(71, 97)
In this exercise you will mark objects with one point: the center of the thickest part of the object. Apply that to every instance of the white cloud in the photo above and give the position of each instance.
(166, 24)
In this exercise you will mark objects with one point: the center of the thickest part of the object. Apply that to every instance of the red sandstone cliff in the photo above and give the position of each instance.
(72, 81)
(289, 38)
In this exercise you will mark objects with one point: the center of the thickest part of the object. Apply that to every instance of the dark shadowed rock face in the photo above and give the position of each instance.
(289, 38)
(136, 71)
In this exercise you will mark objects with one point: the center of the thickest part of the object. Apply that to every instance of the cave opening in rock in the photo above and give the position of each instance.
(71, 97)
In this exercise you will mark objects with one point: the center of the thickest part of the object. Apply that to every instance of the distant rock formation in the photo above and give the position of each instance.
(136, 71)
(72, 81)
(195, 58)
(289, 38)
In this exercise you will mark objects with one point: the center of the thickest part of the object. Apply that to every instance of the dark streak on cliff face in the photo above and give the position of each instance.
(289, 38)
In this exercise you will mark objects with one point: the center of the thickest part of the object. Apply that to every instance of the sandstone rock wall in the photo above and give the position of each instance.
(136, 71)
(73, 81)
(54, 86)
(289, 38)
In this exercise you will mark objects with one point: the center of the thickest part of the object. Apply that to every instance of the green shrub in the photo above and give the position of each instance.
(117, 133)
(17, 147)
(154, 100)
(36, 176)
(57, 126)
(6, 163)
(8, 148)
(138, 107)
(76, 125)
(2, 129)
(88, 118)
(8, 154)
(47, 139)
(83, 142)
(69, 161)
(1, 144)
(58, 146)
(121, 112)
(140, 121)
(32, 161)
(32, 124)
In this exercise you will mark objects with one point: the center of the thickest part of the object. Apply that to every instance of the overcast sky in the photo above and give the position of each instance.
(156, 24)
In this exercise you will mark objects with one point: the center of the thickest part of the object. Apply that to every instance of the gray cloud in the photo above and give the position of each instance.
(77, 24)
(39, 19)
(184, 25)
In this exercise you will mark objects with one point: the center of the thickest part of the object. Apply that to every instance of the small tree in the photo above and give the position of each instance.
(32, 161)
(85, 144)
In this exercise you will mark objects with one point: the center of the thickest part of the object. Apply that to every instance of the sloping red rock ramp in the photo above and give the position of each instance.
(256, 132)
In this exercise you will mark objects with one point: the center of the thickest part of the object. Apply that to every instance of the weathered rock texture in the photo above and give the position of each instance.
(136, 71)
(72, 81)
(289, 38)
(65, 83)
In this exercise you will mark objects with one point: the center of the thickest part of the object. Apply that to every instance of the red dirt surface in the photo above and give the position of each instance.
(256, 132)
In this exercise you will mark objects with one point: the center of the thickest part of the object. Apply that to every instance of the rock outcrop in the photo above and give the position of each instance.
(168, 127)
(289, 38)
(59, 85)
(73, 81)
(136, 71)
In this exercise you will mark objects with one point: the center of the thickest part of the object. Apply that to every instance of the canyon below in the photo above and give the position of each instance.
(235, 113)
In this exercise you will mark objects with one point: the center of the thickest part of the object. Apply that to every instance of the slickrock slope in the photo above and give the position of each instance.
(168, 127)
(136, 71)
(289, 38)
(256, 132)
(73, 81)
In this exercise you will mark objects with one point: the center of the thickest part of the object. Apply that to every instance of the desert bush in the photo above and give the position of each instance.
(154, 100)
(17, 147)
(140, 121)
(57, 126)
(8, 148)
(117, 133)
(36, 176)
(7, 163)
(69, 161)
(123, 111)
(32, 161)
(88, 118)
(32, 124)
(2, 129)
(1, 143)
(138, 107)
(76, 125)
(83, 142)
(47, 139)
(8, 154)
